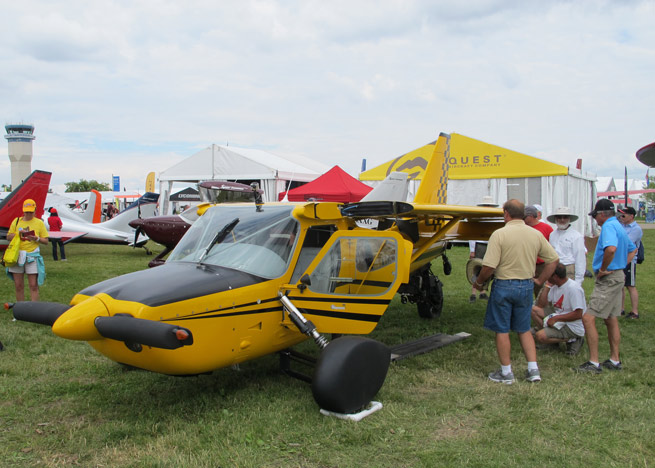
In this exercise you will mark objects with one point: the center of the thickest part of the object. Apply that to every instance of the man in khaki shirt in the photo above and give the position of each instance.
(512, 256)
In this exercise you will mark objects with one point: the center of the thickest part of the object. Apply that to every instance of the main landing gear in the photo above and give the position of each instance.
(349, 371)
(425, 290)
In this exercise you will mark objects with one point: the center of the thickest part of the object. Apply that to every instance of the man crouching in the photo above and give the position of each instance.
(558, 312)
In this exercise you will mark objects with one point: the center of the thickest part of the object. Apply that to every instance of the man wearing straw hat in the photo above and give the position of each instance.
(568, 243)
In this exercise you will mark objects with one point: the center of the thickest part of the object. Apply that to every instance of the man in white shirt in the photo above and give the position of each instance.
(558, 312)
(569, 244)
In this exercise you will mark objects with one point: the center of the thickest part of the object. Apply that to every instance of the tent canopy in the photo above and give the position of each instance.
(218, 162)
(231, 163)
(477, 169)
(336, 185)
(469, 159)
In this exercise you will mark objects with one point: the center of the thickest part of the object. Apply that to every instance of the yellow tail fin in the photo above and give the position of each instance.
(434, 184)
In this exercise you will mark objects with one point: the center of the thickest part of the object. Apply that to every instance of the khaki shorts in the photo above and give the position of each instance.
(605, 301)
(564, 333)
(29, 268)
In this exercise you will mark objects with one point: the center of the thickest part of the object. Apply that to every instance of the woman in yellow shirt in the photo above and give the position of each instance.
(33, 232)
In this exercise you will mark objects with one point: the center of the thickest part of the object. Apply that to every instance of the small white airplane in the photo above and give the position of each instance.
(113, 231)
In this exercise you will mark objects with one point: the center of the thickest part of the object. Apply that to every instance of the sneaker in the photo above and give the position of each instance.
(533, 375)
(574, 347)
(483, 295)
(632, 315)
(589, 367)
(610, 365)
(472, 299)
(498, 376)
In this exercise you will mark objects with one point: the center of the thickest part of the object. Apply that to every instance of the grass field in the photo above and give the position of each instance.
(62, 404)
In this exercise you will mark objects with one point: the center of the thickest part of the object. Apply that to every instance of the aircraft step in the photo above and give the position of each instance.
(425, 345)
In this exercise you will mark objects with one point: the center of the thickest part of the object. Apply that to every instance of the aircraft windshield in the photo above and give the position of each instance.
(259, 243)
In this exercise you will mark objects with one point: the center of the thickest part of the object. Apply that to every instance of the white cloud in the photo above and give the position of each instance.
(130, 87)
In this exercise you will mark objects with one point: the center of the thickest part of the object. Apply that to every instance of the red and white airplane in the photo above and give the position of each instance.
(35, 186)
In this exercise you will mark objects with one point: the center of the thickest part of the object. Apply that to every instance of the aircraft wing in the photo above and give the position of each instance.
(449, 222)
(66, 236)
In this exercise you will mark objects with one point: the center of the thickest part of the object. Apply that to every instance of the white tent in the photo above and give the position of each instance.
(576, 190)
(606, 184)
(230, 163)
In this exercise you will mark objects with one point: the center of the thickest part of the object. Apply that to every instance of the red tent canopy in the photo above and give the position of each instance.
(336, 185)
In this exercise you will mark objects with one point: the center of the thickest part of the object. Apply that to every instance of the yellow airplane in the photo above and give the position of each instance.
(248, 281)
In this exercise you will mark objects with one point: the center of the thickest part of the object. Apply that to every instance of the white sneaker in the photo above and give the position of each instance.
(533, 375)
(498, 376)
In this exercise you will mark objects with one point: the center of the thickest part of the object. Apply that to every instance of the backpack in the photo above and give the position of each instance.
(640, 253)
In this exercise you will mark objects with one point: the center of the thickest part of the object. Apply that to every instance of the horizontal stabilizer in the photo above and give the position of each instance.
(393, 188)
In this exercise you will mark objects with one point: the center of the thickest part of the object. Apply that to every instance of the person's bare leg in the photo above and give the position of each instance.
(19, 283)
(503, 348)
(529, 349)
(614, 337)
(589, 322)
(34, 287)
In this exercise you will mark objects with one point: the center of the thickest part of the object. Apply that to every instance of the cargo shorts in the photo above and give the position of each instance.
(606, 299)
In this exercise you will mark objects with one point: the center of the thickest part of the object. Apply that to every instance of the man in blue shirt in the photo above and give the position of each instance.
(634, 232)
(614, 251)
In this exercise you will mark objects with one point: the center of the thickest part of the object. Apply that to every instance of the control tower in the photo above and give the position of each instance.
(19, 137)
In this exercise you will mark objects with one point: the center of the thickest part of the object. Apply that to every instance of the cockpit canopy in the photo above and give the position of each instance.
(241, 238)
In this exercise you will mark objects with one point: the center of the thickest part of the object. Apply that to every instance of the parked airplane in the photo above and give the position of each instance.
(113, 231)
(35, 186)
(245, 282)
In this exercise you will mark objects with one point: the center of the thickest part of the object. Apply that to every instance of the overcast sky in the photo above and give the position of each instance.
(127, 87)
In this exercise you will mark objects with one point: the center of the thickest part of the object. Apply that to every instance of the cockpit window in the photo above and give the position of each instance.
(241, 238)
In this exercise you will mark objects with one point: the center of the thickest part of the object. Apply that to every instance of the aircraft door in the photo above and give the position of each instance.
(352, 279)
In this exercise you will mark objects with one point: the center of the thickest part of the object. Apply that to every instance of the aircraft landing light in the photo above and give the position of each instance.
(181, 334)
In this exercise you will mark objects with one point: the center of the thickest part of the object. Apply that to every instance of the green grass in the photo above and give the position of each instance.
(62, 404)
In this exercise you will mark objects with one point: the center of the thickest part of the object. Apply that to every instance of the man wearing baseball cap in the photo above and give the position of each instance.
(634, 232)
(613, 252)
(32, 232)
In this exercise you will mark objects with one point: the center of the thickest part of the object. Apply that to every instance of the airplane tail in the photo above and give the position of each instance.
(35, 186)
(434, 185)
(93, 212)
